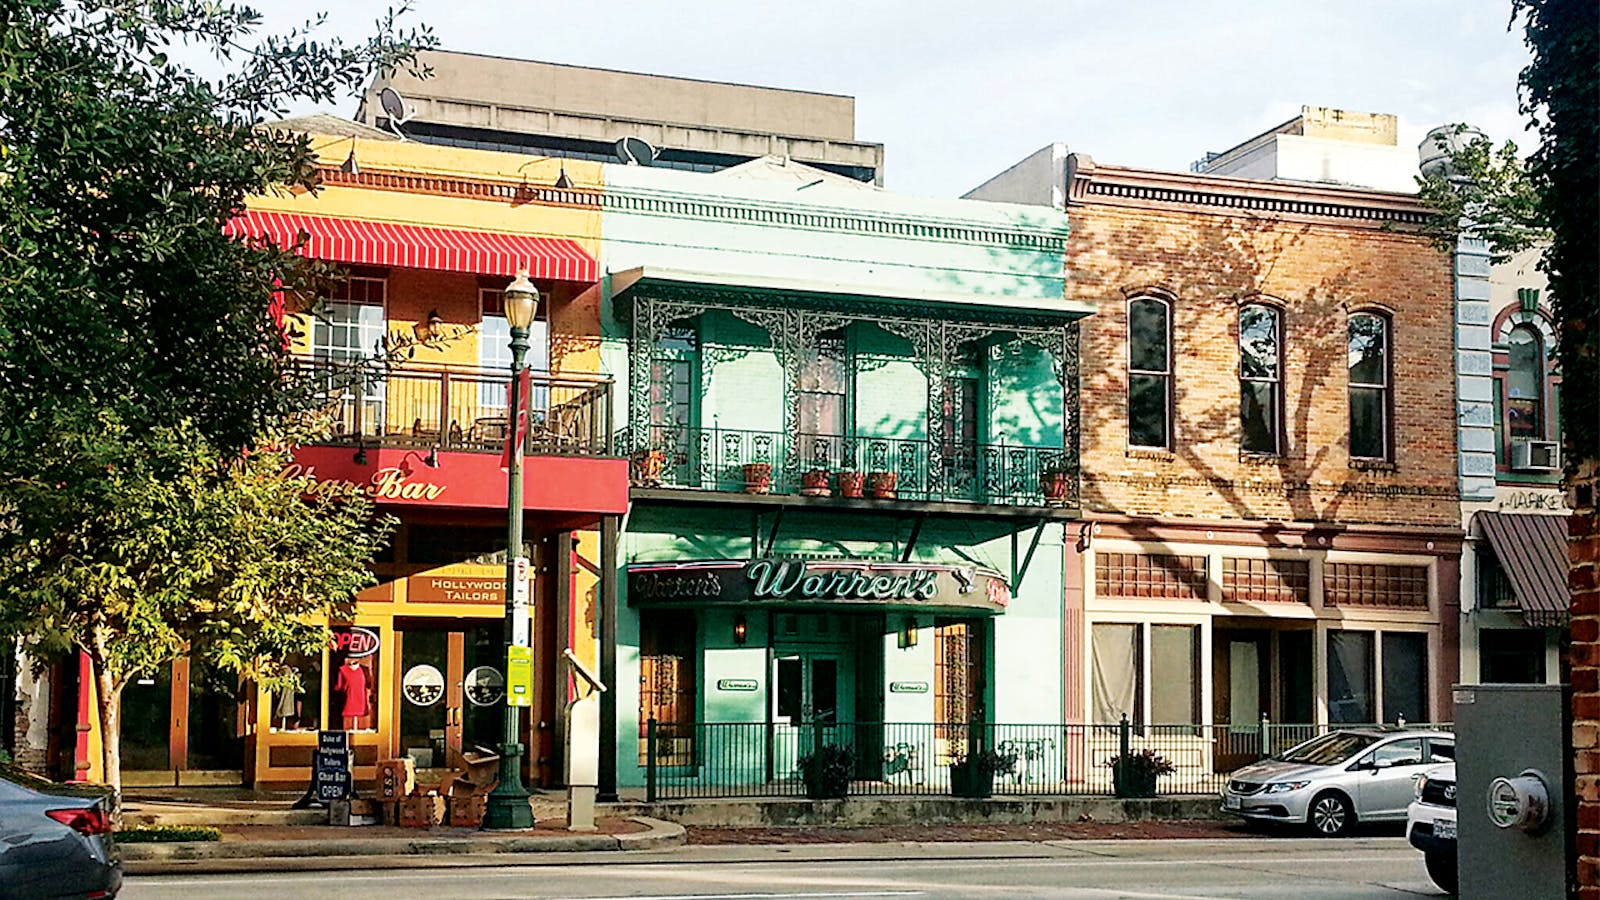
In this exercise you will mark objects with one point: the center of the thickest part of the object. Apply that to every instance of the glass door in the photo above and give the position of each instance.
(807, 695)
(453, 692)
(959, 449)
(427, 714)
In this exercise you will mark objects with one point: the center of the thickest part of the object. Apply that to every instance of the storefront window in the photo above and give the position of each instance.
(355, 686)
(1175, 669)
(1405, 677)
(1350, 677)
(1117, 679)
(956, 664)
(300, 708)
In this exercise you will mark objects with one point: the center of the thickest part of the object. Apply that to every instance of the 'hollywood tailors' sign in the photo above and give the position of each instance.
(784, 582)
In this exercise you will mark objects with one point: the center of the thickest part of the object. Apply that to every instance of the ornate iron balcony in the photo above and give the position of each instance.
(852, 466)
(458, 408)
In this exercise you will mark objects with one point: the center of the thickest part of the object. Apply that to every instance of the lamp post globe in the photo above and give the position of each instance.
(508, 806)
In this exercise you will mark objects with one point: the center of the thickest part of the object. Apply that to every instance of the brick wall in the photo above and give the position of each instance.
(1211, 259)
(1584, 579)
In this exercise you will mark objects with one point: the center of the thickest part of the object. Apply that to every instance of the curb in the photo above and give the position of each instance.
(252, 856)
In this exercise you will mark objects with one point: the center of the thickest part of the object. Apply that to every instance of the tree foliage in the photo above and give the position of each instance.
(146, 395)
(1489, 189)
(1560, 92)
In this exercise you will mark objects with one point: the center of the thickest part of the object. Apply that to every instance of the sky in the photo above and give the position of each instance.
(958, 91)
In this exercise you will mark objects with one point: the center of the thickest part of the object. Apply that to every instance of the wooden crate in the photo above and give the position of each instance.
(397, 778)
(467, 810)
(422, 811)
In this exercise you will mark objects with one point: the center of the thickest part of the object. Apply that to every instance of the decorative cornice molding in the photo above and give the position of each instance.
(513, 192)
(834, 220)
(1151, 189)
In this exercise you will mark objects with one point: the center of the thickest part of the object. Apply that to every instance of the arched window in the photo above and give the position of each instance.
(1369, 386)
(1260, 379)
(1524, 383)
(1149, 373)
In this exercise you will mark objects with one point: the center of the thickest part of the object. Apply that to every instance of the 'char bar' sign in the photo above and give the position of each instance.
(788, 582)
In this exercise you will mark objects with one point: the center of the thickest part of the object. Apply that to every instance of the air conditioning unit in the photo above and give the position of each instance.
(1535, 456)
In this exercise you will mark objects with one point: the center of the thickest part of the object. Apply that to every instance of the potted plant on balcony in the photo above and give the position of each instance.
(1134, 775)
(1055, 481)
(814, 483)
(647, 467)
(757, 478)
(881, 485)
(827, 771)
(852, 484)
(972, 775)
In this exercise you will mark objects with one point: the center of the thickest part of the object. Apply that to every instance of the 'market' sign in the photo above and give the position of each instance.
(789, 582)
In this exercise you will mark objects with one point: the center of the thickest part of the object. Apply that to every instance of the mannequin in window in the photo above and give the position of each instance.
(353, 684)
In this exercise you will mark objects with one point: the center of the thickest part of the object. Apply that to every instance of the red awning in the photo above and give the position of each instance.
(420, 247)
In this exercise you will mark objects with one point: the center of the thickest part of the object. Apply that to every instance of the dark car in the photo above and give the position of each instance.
(55, 840)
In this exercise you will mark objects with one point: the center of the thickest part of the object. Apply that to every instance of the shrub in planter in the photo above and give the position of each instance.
(852, 484)
(882, 484)
(973, 775)
(815, 483)
(647, 467)
(757, 478)
(1134, 775)
(827, 771)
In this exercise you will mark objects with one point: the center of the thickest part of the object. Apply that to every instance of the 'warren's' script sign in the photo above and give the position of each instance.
(773, 582)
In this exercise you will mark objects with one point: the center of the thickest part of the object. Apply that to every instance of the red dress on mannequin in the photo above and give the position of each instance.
(352, 683)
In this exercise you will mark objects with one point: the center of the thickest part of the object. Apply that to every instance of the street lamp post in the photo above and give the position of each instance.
(508, 806)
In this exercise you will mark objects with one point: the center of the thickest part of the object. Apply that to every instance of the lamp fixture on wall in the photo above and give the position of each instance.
(741, 629)
(361, 454)
(428, 329)
(349, 166)
(908, 634)
(562, 181)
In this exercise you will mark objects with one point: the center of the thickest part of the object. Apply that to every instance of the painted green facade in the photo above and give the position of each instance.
(956, 362)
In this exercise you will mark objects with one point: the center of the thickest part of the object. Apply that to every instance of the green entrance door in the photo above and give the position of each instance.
(812, 689)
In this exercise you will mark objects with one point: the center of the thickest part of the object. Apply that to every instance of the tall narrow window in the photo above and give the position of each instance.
(1524, 384)
(1149, 373)
(1260, 380)
(824, 400)
(1369, 386)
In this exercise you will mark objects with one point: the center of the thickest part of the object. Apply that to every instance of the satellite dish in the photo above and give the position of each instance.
(636, 152)
(394, 106)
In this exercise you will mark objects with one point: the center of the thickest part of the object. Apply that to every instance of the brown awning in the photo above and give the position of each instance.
(1532, 550)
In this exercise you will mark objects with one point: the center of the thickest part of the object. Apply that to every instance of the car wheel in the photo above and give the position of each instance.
(1331, 815)
(1442, 869)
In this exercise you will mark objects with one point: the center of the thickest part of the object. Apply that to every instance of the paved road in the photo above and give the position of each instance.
(1277, 869)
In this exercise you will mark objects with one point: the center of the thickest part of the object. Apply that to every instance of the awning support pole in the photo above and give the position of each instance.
(772, 536)
(911, 542)
(1019, 572)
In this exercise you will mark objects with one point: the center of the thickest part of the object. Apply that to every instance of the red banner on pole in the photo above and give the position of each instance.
(517, 392)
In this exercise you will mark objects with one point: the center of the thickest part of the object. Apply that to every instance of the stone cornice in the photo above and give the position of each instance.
(876, 223)
(516, 193)
(1091, 184)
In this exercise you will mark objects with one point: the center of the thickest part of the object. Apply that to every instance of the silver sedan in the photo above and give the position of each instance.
(1333, 781)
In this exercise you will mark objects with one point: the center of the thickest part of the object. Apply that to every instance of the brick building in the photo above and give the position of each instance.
(1268, 450)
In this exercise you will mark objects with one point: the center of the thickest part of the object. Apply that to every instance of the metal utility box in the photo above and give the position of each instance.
(1511, 748)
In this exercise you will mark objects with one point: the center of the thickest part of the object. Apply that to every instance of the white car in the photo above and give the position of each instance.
(1335, 780)
(1431, 824)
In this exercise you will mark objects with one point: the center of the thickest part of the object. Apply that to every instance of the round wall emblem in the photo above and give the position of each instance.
(485, 686)
(422, 685)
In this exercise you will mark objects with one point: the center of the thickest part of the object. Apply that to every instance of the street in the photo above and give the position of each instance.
(1358, 868)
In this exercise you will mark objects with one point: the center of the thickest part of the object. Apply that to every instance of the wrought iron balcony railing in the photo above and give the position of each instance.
(733, 460)
(456, 408)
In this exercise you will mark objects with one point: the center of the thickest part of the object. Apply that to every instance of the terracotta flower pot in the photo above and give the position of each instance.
(815, 483)
(647, 467)
(1057, 487)
(882, 484)
(852, 484)
(757, 478)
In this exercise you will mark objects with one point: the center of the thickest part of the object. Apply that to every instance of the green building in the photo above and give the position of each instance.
(852, 423)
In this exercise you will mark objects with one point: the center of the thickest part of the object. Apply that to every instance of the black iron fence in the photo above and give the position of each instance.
(761, 759)
(456, 408)
(726, 459)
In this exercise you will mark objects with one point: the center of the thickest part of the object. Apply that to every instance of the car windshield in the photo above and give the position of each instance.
(1328, 749)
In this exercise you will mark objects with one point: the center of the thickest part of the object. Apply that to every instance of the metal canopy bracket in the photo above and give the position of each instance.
(911, 542)
(1020, 572)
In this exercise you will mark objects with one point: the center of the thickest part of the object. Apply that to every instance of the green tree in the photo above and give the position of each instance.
(1548, 200)
(145, 389)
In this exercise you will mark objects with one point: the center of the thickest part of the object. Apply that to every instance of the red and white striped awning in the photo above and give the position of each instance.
(421, 247)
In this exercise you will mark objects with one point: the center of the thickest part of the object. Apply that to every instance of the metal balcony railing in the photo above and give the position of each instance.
(735, 460)
(458, 408)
